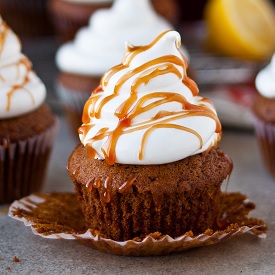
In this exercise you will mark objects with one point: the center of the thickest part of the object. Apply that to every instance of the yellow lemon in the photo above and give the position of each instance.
(241, 28)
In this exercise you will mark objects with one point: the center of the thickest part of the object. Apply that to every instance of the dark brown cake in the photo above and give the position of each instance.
(68, 17)
(264, 121)
(131, 201)
(25, 145)
(169, 9)
(264, 109)
(28, 18)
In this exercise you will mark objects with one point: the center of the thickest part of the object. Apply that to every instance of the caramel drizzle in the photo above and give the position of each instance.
(3, 35)
(97, 183)
(4, 29)
(126, 185)
(132, 107)
(104, 185)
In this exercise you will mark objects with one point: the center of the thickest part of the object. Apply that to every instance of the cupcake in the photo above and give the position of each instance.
(149, 160)
(170, 9)
(70, 15)
(100, 46)
(27, 125)
(264, 114)
(28, 18)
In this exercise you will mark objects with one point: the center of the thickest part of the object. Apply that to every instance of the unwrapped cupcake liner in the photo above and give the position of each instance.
(42, 213)
(265, 133)
(23, 165)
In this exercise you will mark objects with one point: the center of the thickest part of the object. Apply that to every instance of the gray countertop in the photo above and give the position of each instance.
(242, 255)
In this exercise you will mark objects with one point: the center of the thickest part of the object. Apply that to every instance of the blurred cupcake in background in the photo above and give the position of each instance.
(70, 15)
(99, 46)
(170, 9)
(27, 125)
(264, 113)
(28, 18)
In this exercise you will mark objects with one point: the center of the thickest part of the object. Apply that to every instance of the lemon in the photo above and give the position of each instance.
(241, 28)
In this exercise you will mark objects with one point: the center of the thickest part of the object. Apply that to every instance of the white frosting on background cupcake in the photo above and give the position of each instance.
(21, 91)
(100, 46)
(265, 80)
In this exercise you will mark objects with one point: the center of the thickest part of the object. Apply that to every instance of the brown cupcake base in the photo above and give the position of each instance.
(42, 213)
(28, 18)
(68, 17)
(25, 146)
(128, 201)
(265, 134)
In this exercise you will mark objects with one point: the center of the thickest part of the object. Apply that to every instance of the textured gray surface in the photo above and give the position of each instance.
(244, 255)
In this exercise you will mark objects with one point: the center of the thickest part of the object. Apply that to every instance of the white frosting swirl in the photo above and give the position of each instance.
(265, 80)
(21, 91)
(147, 111)
(100, 46)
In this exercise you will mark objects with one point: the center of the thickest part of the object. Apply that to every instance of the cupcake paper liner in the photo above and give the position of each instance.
(23, 165)
(42, 213)
(265, 133)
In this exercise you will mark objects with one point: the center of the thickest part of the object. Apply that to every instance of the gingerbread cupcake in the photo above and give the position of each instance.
(27, 126)
(28, 18)
(264, 114)
(70, 15)
(100, 46)
(149, 159)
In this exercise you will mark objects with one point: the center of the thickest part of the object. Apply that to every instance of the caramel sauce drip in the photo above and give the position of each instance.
(126, 185)
(105, 184)
(132, 106)
(3, 34)
(4, 29)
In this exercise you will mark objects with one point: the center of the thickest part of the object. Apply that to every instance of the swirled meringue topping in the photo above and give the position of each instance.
(147, 110)
(265, 80)
(21, 91)
(100, 46)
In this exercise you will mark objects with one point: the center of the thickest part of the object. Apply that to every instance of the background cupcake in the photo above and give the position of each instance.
(100, 46)
(151, 162)
(264, 114)
(27, 126)
(170, 9)
(28, 18)
(70, 15)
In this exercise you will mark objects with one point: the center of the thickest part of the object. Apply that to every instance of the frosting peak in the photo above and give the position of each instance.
(265, 80)
(147, 110)
(21, 91)
(99, 46)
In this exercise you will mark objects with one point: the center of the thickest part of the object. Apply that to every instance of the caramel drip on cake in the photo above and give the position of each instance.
(134, 106)
(97, 183)
(3, 34)
(4, 29)
(15, 89)
(126, 185)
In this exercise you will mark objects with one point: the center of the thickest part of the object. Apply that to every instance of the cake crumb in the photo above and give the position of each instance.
(16, 259)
